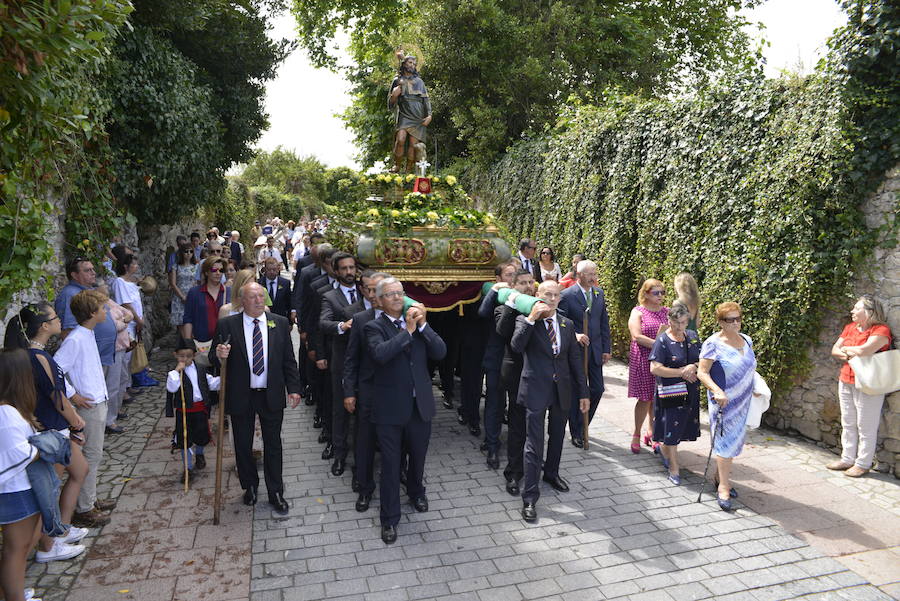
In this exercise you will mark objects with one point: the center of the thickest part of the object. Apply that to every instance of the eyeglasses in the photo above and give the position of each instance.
(545, 252)
(731, 319)
(394, 294)
(215, 270)
(658, 292)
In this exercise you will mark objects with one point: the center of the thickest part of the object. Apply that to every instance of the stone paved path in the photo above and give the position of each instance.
(622, 532)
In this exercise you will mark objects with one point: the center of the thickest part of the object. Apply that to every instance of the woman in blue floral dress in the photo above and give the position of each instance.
(727, 364)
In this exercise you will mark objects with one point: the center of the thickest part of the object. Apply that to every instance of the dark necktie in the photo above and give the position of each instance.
(552, 333)
(398, 323)
(352, 294)
(258, 363)
(272, 290)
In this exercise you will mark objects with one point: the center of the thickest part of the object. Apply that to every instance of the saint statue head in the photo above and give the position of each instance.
(408, 65)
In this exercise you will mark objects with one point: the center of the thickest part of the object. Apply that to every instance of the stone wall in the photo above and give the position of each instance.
(812, 408)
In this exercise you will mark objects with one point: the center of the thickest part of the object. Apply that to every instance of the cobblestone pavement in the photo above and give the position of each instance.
(622, 532)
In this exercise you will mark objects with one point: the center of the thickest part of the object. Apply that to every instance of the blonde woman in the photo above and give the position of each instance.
(241, 278)
(647, 320)
(689, 294)
(860, 412)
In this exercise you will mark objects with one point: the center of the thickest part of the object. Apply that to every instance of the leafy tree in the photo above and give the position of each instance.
(500, 69)
(287, 173)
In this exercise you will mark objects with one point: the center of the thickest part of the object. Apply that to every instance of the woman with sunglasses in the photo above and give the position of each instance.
(647, 320)
(549, 267)
(727, 364)
(181, 278)
(201, 309)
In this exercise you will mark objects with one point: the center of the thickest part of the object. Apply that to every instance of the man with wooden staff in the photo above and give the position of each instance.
(552, 375)
(261, 369)
(584, 302)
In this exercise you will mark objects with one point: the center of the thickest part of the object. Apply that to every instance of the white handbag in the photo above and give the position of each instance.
(759, 401)
(878, 373)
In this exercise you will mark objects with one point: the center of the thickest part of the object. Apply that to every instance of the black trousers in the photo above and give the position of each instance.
(576, 421)
(416, 433)
(242, 425)
(364, 449)
(197, 428)
(471, 374)
(515, 439)
(340, 417)
(534, 447)
(445, 324)
(323, 396)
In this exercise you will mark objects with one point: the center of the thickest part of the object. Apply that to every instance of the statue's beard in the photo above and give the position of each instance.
(411, 71)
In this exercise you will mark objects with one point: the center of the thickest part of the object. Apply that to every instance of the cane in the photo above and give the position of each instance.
(587, 352)
(714, 434)
(184, 435)
(220, 437)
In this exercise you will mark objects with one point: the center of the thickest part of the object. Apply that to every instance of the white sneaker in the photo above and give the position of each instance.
(73, 536)
(59, 551)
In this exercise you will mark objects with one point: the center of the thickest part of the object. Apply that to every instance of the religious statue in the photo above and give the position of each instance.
(408, 99)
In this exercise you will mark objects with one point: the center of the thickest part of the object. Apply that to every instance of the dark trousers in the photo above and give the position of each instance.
(415, 433)
(446, 327)
(340, 417)
(323, 396)
(515, 439)
(197, 428)
(595, 373)
(494, 403)
(364, 449)
(534, 447)
(471, 376)
(242, 425)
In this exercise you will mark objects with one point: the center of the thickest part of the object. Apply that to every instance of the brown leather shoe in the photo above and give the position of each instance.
(839, 465)
(90, 519)
(856, 471)
(105, 504)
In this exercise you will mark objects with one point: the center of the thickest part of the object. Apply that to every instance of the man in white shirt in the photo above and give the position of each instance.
(269, 251)
(79, 360)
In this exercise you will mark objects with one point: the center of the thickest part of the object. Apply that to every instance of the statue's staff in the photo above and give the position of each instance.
(587, 378)
(220, 439)
(184, 435)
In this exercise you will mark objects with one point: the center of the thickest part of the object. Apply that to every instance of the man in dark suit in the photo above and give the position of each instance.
(302, 299)
(494, 395)
(551, 370)
(527, 248)
(262, 368)
(237, 252)
(358, 380)
(335, 322)
(510, 374)
(279, 288)
(402, 401)
(586, 298)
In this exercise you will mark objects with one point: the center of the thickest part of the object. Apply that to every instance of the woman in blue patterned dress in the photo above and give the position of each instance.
(726, 369)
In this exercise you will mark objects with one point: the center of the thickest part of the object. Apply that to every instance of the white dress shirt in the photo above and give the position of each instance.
(173, 382)
(260, 381)
(543, 324)
(79, 360)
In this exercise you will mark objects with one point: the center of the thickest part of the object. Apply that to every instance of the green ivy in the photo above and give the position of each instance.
(753, 185)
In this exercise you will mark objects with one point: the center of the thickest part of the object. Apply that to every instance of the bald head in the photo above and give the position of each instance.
(253, 297)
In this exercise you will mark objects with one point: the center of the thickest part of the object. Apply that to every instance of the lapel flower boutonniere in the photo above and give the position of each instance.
(270, 323)
(562, 324)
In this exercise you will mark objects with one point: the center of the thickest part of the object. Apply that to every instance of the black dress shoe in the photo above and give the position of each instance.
(483, 447)
(354, 485)
(475, 430)
(529, 513)
(200, 462)
(448, 402)
(460, 419)
(577, 442)
(388, 535)
(308, 400)
(318, 421)
(337, 468)
(323, 437)
(493, 460)
(328, 453)
(557, 483)
(512, 487)
(362, 503)
(420, 503)
(278, 502)
(250, 496)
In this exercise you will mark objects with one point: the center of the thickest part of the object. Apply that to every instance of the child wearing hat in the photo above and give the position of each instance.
(189, 384)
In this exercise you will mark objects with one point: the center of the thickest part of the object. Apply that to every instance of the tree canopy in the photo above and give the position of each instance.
(500, 69)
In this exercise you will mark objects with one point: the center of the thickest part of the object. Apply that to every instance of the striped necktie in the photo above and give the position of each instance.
(258, 363)
(552, 333)
(352, 294)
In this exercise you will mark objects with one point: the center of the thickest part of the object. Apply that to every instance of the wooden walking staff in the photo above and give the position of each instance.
(587, 352)
(184, 435)
(220, 438)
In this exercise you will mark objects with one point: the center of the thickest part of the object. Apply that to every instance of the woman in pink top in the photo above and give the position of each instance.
(646, 321)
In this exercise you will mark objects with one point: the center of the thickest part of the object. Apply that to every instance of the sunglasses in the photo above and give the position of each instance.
(658, 292)
(731, 319)
(216, 252)
(545, 252)
(215, 270)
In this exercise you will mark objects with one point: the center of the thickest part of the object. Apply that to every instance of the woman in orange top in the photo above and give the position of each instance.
(860, 412)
